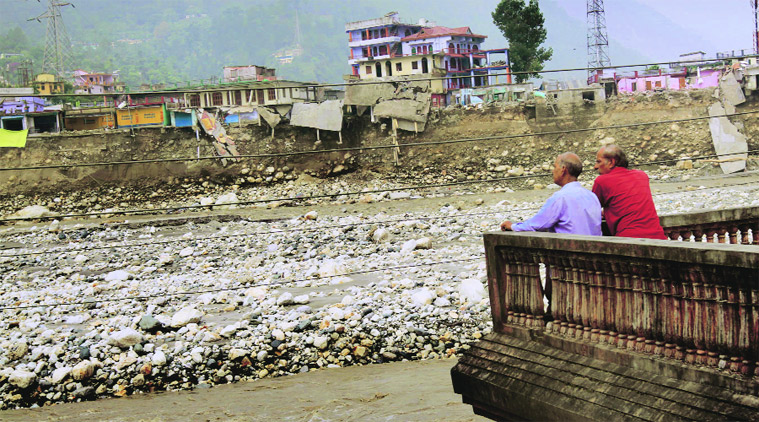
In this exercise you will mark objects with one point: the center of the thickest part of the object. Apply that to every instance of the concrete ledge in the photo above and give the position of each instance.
(726, 217)
(686, 252)
(503, 376)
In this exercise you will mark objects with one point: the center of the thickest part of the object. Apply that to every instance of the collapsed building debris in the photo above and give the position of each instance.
(223, 144)
(327, 115)
(729, 143)
(407, 103)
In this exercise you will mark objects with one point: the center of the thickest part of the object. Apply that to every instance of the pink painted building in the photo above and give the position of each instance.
(94, 83)
(652, 80)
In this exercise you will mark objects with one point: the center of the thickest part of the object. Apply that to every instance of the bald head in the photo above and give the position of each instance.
(614, 153)
(571, 162)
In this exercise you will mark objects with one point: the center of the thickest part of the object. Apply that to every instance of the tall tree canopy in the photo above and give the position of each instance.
(522, 25)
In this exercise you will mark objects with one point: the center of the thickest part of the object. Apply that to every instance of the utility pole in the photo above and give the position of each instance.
(598, 41)
(25, 73)
(57, 43)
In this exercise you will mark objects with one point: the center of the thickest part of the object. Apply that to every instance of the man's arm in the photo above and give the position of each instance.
(545, 219)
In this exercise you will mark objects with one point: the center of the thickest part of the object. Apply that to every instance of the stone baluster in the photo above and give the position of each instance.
(729, 297)
(685, 234)
(671, 313)
(711, 318)
(586, 276)
(649, 307)
(710, 232)
(699, 322)
(576, 301)
(744, 234)
(616, 312)
(753, 330)
(537, 306)
(689, 319)
(626, 336)
(755, 233)
(744, 332)
(561, 295)
(607, 302)
(509, 281)
(698, 234)
(733, 231)
(663, 320)
(595, 307)
(722, 235)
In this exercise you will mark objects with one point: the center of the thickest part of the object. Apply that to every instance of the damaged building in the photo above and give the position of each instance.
(387, 48)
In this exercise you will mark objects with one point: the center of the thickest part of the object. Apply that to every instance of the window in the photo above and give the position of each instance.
(415, 65)
(238, 98)
(272, 94)
(90, 121)
(413, 51)
(634, 86)
(398, 67)
(368, 70)
(216, 99)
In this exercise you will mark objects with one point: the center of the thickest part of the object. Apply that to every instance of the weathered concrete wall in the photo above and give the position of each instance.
(459, 161)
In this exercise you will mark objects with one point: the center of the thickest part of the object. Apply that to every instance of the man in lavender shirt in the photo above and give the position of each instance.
(573, 209)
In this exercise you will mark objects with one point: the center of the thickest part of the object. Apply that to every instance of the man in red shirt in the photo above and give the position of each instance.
(625, 196)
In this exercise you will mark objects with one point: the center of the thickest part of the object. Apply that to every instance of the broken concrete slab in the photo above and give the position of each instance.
(368, 94)
(729, 144)
(325, 116)
(411, 126)
(402, 109)
(283, 109)
(269, 116)
(730, 90)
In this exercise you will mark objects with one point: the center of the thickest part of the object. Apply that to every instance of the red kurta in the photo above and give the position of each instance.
(625, 196)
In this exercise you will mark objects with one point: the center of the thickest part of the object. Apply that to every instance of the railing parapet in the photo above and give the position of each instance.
(734, 225)
(693, 302)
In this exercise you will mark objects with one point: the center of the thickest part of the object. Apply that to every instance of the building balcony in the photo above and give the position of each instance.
(607, 328)
(375, 41)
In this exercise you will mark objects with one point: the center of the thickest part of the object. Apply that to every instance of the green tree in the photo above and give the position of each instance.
(522, 25)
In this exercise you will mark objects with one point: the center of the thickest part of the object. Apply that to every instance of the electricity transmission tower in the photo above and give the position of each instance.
(598, 41)
(754, 7)
(57, 43)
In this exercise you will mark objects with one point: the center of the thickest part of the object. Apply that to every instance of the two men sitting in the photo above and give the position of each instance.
(623, 194)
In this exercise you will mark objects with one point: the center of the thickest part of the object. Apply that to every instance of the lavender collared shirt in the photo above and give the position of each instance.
(573, 209)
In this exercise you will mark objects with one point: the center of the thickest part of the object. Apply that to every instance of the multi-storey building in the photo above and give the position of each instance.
(248, 73)
(94, 83)
(373, 40)
(385, 47)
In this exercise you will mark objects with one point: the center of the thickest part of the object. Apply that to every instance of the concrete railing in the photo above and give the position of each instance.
(736, 226)
(693, 302)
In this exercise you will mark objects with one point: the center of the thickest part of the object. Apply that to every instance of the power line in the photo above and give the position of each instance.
(320, 196)
(196, 292)
(376, 147)
(227, 289)
(296, 84)
(310, 229)
(258, 233)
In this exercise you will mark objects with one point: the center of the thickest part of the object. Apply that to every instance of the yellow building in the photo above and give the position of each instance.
(46, 84)
(429, 65)
(89, 122)
(140, 116)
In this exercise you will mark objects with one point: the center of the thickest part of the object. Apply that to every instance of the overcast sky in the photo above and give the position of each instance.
(709, 26)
